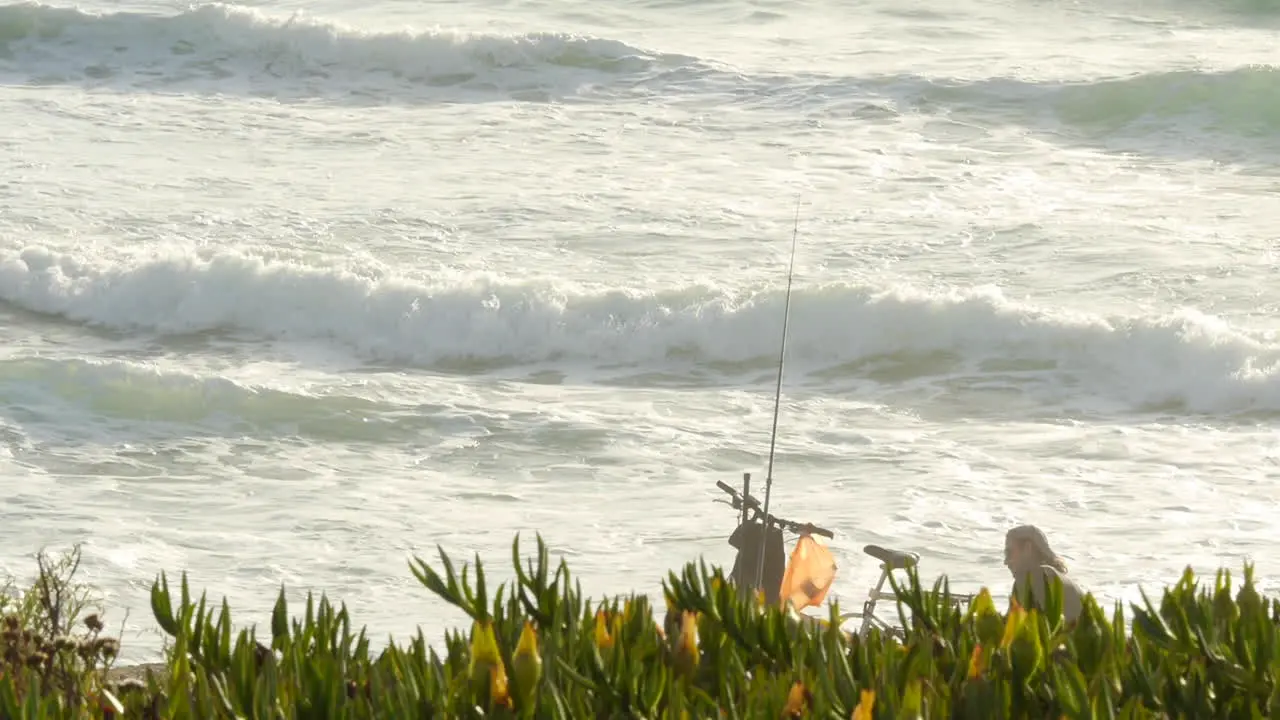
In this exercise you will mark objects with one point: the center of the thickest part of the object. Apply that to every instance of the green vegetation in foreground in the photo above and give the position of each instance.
(539, 649)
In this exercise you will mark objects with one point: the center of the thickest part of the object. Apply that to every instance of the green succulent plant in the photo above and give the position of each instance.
(538, 648)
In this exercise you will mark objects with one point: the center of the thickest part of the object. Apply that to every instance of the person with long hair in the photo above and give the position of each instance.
(1034, 565)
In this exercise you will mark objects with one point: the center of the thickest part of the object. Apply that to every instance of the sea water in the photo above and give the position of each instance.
(291, 293)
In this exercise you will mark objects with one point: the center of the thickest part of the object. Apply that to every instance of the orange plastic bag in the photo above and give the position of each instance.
(810, 574)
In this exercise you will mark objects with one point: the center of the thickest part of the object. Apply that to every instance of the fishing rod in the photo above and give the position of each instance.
(777, 395)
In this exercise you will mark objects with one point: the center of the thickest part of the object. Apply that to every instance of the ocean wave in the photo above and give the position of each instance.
(230, 48)
(1248, 11)
(48, 390)
(1245, 99)
(1241, 101)
(223, 44)
(1183, 359)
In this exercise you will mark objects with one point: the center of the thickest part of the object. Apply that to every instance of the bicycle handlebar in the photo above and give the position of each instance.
(750, 502)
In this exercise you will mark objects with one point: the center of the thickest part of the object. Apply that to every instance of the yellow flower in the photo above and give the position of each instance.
(526, 664)
(976, 664)
(484, 645)
(487, 673)
(604, 639)
(1016, 617)
(797, 701)
(687, 648)
(498, 686)
(866, 702)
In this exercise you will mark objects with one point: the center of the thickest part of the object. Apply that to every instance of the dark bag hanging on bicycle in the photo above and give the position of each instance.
(747, 539)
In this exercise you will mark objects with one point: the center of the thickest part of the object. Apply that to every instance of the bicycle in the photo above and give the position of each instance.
(746, 540)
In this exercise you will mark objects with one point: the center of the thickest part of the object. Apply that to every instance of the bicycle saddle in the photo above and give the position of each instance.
(892, 559)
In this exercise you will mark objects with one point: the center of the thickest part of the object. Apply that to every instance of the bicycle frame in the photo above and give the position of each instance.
(890, 561)
(744, 574)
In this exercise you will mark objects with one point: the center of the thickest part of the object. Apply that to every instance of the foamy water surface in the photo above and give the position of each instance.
(292, 291)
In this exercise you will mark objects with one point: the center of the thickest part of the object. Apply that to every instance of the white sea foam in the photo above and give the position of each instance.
(1181, 358)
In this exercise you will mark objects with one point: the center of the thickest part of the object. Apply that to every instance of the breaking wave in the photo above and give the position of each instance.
(1183, 358)
(222, 44)
(229, 48)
